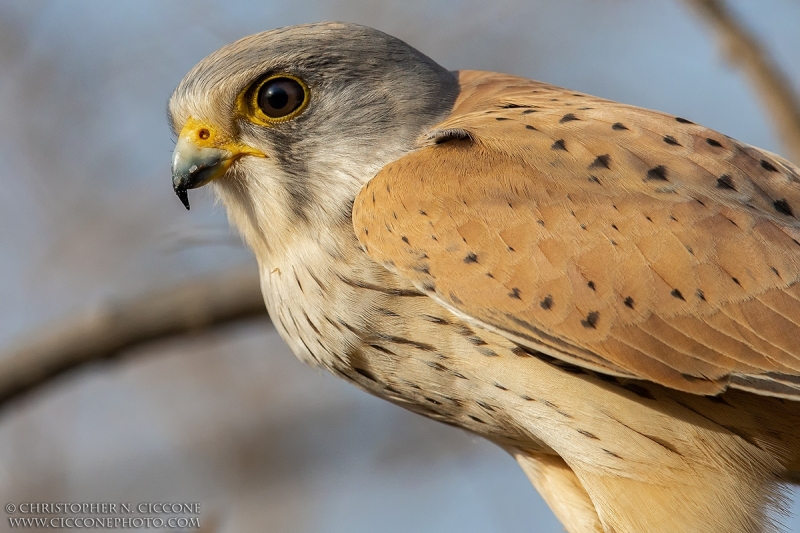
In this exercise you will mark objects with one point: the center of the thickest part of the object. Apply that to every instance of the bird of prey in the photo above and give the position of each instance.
(609, 293)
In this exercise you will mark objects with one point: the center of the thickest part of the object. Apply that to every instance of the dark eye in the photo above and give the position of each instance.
(279, 97)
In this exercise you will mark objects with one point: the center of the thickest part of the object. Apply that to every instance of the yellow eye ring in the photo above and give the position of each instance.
(274, 99)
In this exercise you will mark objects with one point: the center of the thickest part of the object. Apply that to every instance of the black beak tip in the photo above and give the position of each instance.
(183, 195)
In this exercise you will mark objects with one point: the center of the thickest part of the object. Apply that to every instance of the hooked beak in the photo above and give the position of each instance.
(202, 155)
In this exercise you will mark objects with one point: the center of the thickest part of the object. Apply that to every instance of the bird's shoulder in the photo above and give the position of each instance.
(625, 240)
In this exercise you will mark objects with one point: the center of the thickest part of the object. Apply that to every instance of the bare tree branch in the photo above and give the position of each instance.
(742, 49)
(108, 329)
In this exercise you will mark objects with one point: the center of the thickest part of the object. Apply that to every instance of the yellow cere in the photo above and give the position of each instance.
(203, 135)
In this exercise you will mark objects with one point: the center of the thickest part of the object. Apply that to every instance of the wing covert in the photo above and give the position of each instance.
(624, 240)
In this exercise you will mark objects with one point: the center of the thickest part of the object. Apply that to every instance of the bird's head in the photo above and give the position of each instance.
(290, 123)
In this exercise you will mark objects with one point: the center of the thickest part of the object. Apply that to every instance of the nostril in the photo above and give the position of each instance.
(204, 134)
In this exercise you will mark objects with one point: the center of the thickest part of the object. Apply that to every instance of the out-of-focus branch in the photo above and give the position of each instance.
(106, 330)
(743, 50)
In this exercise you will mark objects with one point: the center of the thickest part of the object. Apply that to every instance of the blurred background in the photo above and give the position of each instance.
(227, 417)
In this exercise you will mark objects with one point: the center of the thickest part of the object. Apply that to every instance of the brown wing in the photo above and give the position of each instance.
(620, 239)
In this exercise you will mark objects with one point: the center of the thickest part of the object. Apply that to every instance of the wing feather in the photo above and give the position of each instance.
(624, 240)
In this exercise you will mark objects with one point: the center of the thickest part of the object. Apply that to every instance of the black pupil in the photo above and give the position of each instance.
(279, 97)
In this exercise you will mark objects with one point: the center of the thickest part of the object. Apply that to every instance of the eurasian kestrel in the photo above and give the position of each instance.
(609, 293)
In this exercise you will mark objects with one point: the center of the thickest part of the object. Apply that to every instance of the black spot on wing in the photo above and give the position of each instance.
(725, 182)
(591, 320)
(658, 173)
(783, 207)
(559, 145)
(766, 165)
(700, 294)
(601, 161)
(619, 126)
(569, 117)
(452, 134)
